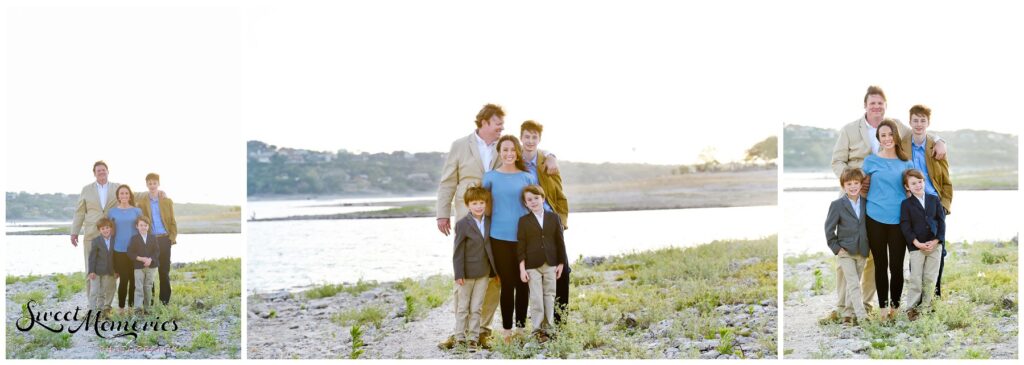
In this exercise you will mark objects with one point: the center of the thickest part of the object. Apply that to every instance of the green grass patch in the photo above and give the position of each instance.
(360, 316)
(22, 279)
(424, 295)
(330, 290)
(203, 341)
(69, 284)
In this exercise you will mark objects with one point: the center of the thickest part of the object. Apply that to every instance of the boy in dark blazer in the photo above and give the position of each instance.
(542, 258)
(144, 252)
(923, 222)
(473, 262)
(847, 237)
(101, 268)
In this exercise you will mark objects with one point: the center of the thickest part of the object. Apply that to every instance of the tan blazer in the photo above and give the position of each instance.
(462, 169)
(552, 185)
(854, 144)
(166, 214)
(89, 209)
(938, 170)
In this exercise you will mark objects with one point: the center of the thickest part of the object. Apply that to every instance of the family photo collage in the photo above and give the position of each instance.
(488, 180)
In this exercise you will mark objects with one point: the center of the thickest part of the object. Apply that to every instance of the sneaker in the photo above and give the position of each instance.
(830, 319)
(448, 343)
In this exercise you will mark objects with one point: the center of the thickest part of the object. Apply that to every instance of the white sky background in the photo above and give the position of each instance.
(147, 89)
(616, 81)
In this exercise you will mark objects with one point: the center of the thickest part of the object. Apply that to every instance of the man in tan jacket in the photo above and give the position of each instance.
(95, 199)
(856, 141)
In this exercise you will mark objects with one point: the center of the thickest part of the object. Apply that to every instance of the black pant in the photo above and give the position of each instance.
(562, 294)
(515, 294)
(888, 249)
(126, 279)
(938, 281)
(165, 269)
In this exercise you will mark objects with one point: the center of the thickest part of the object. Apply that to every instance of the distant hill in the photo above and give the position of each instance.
(810, 149)
(274, 170)
(61, 207)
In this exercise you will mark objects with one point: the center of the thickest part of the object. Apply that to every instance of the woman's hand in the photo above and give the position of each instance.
(524, 276)
(460, 281)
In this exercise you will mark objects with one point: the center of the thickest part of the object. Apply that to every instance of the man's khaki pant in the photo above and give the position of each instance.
(852, 267)
(86, 247)
(144, 286)
(101, 292)
(867, 286)
(542, 297)
(924, 271)
(469, 303)
(492, 296)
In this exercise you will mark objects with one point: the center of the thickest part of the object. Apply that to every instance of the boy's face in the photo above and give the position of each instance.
(919, 124)
(143, 227)
(477, 207)
(534, 202)
(153, 185)
(852, 188)
(105, 231)
(915, 185)
(530, 139)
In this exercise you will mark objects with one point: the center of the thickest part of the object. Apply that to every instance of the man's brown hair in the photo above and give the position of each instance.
(98, 163)
(531, 126)
(874, 90)
(487, 112)
(851, 174)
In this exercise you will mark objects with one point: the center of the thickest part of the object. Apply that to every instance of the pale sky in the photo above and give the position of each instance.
(146, 89)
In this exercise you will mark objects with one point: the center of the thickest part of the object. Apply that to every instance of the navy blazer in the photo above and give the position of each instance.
(472, 256)
(151, 249)
(538, 246)
(922, 223)
(101, 259)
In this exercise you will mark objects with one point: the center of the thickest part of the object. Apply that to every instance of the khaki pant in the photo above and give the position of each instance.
(469, 303)
(924, 271)
(867, 285)
(542, 297)
(144, 286)
(491, 298)
(101, 292)
(86, 247)
(852, 267)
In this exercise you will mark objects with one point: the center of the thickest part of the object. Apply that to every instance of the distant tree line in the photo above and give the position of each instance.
(24, 206)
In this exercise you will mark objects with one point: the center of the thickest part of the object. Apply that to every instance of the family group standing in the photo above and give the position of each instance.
(509, 247)
(896, 194)
(128, 239)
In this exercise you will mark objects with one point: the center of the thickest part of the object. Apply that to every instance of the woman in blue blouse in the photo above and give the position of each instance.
(884, 197)
(124, 216)
(506, 184)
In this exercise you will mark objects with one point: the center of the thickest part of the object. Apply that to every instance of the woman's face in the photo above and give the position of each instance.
(123, 195)
(508, 152)
(885, 137)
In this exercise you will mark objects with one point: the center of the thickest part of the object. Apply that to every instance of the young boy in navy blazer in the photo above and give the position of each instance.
(923, 222)
(473, 262)
(101, 268)
(542, 258)
(145, 254)
(847, 236)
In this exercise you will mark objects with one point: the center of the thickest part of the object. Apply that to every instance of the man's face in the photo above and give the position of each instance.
(534, 202)
(852, 188)
(919, 124)
(100, 172)
(477, 207)
(152, 185)
(915, 185)
(874, 108)
(105, 231)
(491, 129)
(530, 139)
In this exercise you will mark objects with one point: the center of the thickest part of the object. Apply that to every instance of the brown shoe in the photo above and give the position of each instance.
(912, 314)
(485, 342)
(471, 346)
(830, 319)
(448, 344)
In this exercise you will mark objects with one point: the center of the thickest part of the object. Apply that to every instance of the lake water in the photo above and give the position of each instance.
(289, 208)
(975, 218)
(287, 254)
(54, 254)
